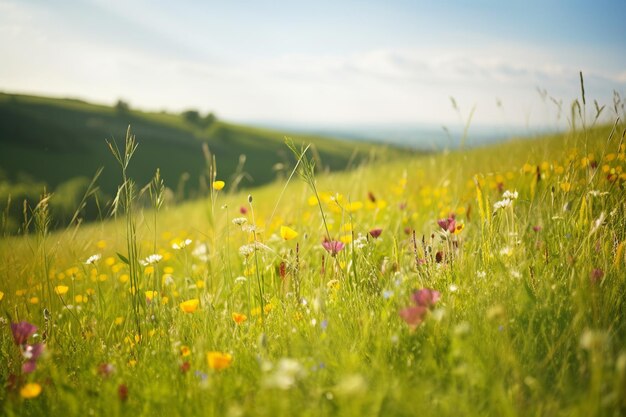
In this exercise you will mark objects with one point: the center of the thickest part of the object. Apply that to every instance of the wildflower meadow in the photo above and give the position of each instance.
(476, 282)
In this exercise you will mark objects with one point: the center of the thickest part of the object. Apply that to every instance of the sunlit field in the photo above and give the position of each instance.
(487, 281)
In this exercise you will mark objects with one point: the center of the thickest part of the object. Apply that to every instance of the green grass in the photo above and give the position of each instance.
(60, 143)
(530, 321)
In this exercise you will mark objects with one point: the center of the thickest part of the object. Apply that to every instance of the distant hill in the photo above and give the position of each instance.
(61, 143)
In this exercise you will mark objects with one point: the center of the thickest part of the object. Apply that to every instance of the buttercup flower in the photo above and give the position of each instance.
(219, 360)
(30, 390)
(287, 233)
(190, 306)
(239, 318)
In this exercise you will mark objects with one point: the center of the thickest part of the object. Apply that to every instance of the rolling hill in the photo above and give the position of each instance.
(60, 143)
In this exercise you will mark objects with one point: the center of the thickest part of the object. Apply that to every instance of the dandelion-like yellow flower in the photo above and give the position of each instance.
(185, 351)
(566, 186)
(190, 306)
(239, 318)
(30, 390)
(219, 360)
(218, 185)
(354, 206)
(61, 289)
(151, 294)
(1, 295)
(287, 233)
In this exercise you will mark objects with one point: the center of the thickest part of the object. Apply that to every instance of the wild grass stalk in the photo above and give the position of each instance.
(124, 200)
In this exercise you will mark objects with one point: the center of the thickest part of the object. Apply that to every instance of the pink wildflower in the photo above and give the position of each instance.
(333, 246)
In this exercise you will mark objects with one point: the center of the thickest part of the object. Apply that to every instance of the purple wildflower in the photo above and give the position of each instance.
(333, 246)
(448, 224)
(413, 315)
(22, 331)
(426, 297)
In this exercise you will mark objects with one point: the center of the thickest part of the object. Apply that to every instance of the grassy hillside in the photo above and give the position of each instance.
(61, 143)
(483, 282)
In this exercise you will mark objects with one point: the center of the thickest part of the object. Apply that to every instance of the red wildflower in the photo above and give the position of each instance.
(426, 297)
(413, 316)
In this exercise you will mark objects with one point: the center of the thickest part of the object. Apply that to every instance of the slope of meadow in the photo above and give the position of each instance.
(481, 282)
(61, 143)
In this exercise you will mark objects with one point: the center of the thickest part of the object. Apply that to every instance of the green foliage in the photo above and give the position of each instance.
(54, 142)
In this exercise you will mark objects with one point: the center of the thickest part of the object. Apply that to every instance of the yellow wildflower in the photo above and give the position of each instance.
(185, 351)
(30, 390)
(287, 233)
(239, 317)
(219, 360)
(61, 289)
(354, 206)
(190, 306)
(218, 185)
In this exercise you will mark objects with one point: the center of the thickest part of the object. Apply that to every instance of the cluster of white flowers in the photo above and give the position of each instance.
(246, 250)
(201, 252)
(249, 228)
(596, 193)
(507, 200)
(360, 242)
(152, 259)
(93, 259)
(181, 245)
(284, 375)
(168, 280)
(506, 251)
(511, 195)
(240, 221)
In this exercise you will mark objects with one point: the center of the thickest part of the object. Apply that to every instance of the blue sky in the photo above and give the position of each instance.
(319, 62)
